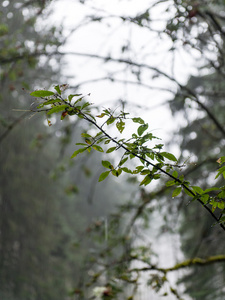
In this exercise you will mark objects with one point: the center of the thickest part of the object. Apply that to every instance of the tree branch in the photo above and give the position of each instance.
(185, 264)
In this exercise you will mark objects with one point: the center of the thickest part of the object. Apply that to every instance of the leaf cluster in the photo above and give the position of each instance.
(154, 161)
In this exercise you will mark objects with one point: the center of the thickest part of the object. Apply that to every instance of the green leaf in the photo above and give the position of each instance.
(170, 183)
(70, 97)
(220, 171)
(85, 105)
(175, 174)
(197, 189)
(221, 205)
(204, 198)
(57, 109)
(111, 149)
(221, 194)
(145, 172)
(86, 135)
(141, 129)
(139, 168)
(126, 170)
(57, 88)
(52, 101)
(188, 193)
(90, 115)
(146, 180)
(88, 141)
(138, 120)
(177, 191)
(211, 189)
(123, 161)
(97, 148)
(134, 136)
(101, 116)
(103, 176)
(120, 126)
(107, 164)
(117, 172)
(110, 120)
(168, 156)
(42, 93)
(78, 100)
(77, 152)
(151, 155)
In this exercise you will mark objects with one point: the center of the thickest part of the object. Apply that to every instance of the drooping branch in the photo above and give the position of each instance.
(120, 145)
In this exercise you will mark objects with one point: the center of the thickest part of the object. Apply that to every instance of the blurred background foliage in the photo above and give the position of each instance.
(47, 202)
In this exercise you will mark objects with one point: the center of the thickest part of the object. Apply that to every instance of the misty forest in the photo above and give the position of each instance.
(112, 167)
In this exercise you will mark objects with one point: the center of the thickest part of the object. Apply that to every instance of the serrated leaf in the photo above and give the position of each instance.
(87, 114)
(111, 149)
(123, 161)
(101, 116)
(120, 126)
(188, 193)
(197, 189)
(146, 180)
(145, 172)
(138, 120)
(52, 101)
(221, 205)
(126, 170)
(103, 176)
(86, 135)
(204, 198)
(107, 164)
(119, 171)
(175, 174)
(116, 172)
(88, 141)
(78, 100)
(139, 168)
(77, 152)
(151, 155)
(98, 148)
(177, 191)
(221, 194)
(98, 134)
(211, 189)
(42, 93)
(214, 206)
(85, 105)
(70, 97)
(57, 88)
(220, 171)
(110, 120)
(57, 109)
(170, 183)
(141, 129)
(168, 155)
